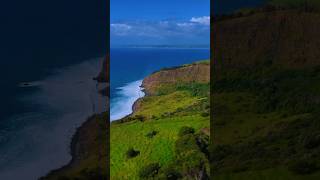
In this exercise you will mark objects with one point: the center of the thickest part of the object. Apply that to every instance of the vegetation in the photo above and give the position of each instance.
(266, 122)
(149, 171)
(131, 153)
(169, 137)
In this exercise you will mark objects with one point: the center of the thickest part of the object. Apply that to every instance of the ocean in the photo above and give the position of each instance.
(129, 66)
(40, 115)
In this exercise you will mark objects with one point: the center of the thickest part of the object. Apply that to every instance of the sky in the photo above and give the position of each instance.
(160, 22)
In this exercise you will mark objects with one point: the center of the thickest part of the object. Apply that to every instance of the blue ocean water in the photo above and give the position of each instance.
(130, 65)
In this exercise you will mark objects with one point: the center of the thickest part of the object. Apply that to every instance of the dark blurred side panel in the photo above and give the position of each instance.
(54, 73)
(265, 90)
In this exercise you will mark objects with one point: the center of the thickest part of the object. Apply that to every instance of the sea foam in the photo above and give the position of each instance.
(121, 105)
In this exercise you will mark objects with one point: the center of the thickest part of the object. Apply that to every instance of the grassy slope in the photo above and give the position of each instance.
(176, 106)
(266, 99)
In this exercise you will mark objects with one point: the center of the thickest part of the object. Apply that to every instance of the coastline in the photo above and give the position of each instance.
(79, 140)
(130, 95)
(179, 108)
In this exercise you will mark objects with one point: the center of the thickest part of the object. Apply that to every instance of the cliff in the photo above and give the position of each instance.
(103, 76)
(286, 38)
(198, 72)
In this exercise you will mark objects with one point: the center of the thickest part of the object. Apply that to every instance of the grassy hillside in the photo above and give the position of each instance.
(266, 97)
(167, 135)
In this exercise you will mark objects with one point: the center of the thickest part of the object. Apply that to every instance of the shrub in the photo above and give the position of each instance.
(203, 143)
(186, 130)
(152, 134)
(205, 114)
(149, 171)
(131, 153)
(303, 166)
(172, 174)
(312, 141)
(220, 152)
(139, 118)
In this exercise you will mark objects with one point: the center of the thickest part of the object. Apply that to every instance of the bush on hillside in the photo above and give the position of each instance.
(303, 166)
(205, 114)
(131, 153)
(149, 171)
(151, 134)
(186, 130)
(312, 141)
(139, 118)
(172, 174)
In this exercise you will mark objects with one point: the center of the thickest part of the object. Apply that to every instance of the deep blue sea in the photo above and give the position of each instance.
(130, 65)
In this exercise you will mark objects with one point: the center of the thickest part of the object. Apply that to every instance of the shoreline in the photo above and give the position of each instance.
(77, 137)
(73, 149)
(132, 106)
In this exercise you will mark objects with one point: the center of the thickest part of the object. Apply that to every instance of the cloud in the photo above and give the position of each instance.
(138, 31)
(185, 24)
(205, 20)
(120, 29)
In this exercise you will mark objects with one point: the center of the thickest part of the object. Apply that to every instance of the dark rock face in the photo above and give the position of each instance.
(286, 38)
(104, 73)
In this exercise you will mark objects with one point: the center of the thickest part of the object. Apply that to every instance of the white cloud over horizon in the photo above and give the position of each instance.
(201, 20)
(163, 30)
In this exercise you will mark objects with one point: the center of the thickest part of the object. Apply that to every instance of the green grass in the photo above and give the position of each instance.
(158, 149)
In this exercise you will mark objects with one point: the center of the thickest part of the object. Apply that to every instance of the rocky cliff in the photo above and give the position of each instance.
(197, 72)
(286, 38)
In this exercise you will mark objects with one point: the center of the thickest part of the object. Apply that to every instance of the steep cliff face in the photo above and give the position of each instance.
(287, 38)
(198, 72)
